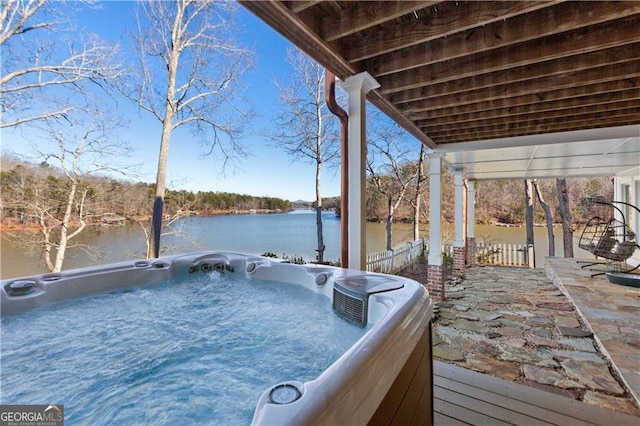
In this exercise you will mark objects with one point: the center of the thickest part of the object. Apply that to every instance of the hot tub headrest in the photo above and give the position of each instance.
(367, 284)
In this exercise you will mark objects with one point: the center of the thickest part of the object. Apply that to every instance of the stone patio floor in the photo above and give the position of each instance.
(612, 313)
(517, 324)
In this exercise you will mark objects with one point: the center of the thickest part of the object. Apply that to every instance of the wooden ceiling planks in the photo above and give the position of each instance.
(457, 71)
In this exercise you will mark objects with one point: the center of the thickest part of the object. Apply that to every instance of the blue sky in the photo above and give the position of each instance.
(266, 172)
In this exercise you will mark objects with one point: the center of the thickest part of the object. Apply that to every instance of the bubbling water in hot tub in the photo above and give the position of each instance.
(202, 347)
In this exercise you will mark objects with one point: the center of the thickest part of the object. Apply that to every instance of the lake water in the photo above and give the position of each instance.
(290, 234)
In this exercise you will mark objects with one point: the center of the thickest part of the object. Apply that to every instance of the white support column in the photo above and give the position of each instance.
(471, 223)
(435, 209)
(357, 87)
(459, 257)
(471, 209)
(458, 179)
(435, 272)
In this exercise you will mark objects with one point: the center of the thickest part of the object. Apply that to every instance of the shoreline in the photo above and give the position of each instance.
(11, 224)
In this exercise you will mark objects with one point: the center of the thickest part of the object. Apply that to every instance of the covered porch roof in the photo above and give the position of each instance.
(505, 89)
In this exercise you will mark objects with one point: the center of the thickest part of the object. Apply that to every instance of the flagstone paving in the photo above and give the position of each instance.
(514, 323)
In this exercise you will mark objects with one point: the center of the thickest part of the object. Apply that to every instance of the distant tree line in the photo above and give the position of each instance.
(35, 193)
(207, 202)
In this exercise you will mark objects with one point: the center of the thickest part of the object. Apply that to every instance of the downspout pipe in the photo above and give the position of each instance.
(330, 99)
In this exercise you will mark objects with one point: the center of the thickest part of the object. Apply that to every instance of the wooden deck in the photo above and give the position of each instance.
(465, 397)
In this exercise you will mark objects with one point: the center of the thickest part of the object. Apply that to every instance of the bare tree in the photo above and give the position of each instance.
(565, 215)
(390, 170)
(549, 218)
(528, 197)
(416, 198)
(43, 52)
(304, 126)
(62, 200)
(188, 76)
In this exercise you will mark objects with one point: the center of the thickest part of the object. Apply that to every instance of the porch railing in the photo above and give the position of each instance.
(391, 261)
(501, 254)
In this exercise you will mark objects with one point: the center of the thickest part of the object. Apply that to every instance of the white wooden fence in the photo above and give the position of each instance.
(390, 261)
(502, 254)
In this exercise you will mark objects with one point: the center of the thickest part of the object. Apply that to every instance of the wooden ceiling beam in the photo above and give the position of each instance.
(584, 41)
(626, 86)
(568, 64)
(298, 6)
(538, 87)
(540, 130)
(362, 15)
(500, 35)
(451, 18)
(504, 132)
(600, 109)
(626, 29)
(331, 7)
(583, 120)
(602, 100)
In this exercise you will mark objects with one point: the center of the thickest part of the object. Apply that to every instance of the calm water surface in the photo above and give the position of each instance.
(290, 234)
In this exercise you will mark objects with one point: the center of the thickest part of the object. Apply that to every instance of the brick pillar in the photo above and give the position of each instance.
(471, 252)
(459, 269)
(435, 282)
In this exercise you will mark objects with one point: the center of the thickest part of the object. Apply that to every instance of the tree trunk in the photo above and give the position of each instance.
(416, 210)
(549, 218)
(48, 244)
(64, 228)
(416, 218)
(65, 236)
(319, 214)
(530, 251)
(389, 222)
(153, 246)
(153, 238)
(565, 216)
(320, 238)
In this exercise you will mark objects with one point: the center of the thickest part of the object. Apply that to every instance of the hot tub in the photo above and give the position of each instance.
(385, 375)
